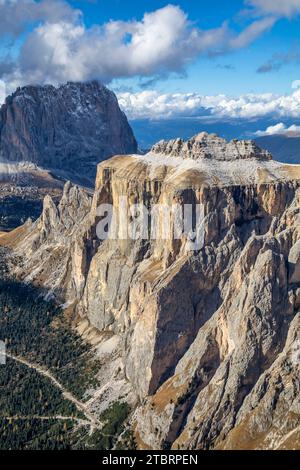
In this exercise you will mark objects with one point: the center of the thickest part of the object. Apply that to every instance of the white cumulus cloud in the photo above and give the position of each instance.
(279, 129)
(15, 14)
(62, 48)
(163, 41)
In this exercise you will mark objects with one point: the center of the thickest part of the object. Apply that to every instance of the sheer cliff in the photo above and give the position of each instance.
(69, 129)
(49, 135)
(208, 340)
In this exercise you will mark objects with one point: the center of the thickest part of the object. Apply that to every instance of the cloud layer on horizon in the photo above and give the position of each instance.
(151, 104)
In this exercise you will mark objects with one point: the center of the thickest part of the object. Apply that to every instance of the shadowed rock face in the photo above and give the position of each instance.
(284, 148)
(69, 129)
(210, 338)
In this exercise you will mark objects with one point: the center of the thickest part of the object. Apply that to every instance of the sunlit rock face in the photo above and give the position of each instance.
(210, 338)
(69, 129)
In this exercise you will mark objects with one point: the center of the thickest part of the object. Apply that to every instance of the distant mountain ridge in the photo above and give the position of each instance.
(283, 148)
(68, 129)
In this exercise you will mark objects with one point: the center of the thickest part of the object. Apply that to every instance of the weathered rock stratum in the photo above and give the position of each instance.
(208, 340)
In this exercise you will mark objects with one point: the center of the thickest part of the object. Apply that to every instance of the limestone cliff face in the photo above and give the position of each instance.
(68, 129)
(210, 338)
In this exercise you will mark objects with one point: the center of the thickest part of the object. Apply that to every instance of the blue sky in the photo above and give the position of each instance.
(206, 75)
(207, 59)
(206, 13)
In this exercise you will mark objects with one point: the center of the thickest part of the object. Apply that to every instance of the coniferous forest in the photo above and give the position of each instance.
(34, 414)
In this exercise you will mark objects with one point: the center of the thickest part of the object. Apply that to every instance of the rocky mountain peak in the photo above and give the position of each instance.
(68, 129)
(212, 147)
(203, 342)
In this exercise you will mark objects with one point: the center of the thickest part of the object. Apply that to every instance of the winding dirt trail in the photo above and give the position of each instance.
(49, 418)
(67, 395)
